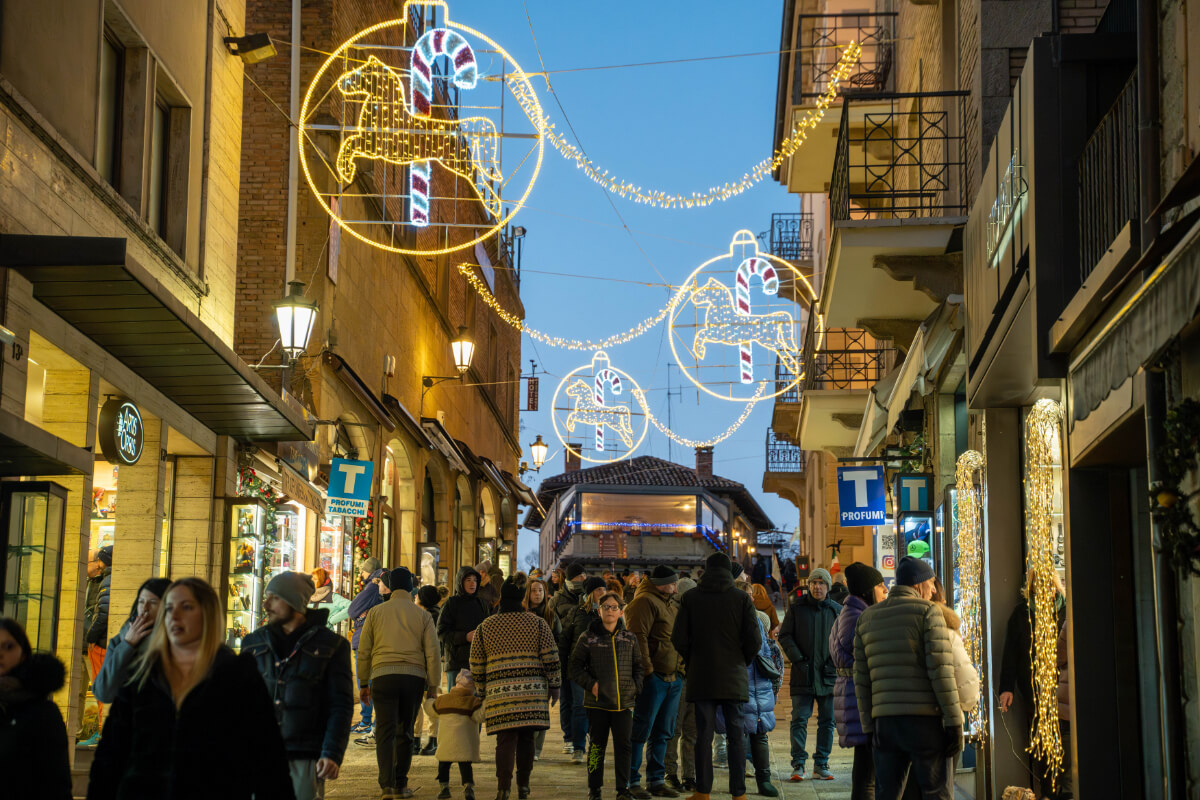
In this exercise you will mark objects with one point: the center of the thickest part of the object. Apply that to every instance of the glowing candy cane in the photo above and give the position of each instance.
(434, 43)
(605, 377)
(770, 280)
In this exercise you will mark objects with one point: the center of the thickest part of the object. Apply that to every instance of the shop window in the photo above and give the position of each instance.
(287, 552)
(329, 552)
(387, 487)
(32, 566)
(168, 165)
(103, 527)
(157, 168)
(108, 114)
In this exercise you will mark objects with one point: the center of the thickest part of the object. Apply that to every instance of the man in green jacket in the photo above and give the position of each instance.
(905, 687)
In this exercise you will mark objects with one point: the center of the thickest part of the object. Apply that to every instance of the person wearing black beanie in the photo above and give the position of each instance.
(866, 588)
(861, 580)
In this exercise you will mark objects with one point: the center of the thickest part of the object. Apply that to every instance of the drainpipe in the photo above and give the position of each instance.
(1149, 125)
(293, 148)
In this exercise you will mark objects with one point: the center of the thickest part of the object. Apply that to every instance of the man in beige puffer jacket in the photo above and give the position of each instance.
(905, 685)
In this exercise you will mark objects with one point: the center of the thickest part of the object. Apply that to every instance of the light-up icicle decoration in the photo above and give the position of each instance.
(1043, 451)
(969, 542)
(726, 191)
(746, 270)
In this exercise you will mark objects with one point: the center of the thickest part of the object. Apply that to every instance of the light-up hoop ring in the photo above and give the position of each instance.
(597, 415)
(312, 103)
(741, 322)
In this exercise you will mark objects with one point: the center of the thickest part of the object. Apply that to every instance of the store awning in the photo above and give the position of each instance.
(934, 340)
(407, 421)
(1164, 304)
(441, 441)
(26, 449)
(360, 390)
(99, 289)
(523, 493)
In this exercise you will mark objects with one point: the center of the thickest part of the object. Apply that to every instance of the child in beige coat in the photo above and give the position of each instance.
(459, 713)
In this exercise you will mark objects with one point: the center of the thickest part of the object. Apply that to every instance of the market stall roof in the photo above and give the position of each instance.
(647, 471)
(26, 449)
(99, 289)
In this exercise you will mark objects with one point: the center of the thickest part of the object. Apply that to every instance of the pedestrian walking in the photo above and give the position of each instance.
(762, 602)
(124, 648)
(804, 636)
(574, 625)
(167, 735)
(34, 760)
(458, 619)
(905, 686)
(370, 571)
(514, 662)
(327, 597)
(866, 589)
(764, 676)
(607, 662)
(398, 655)
(306, 668)
(717, 635)
(95, 628)
(427, 599)
(651, 617)
(458, 714)
(563, 604)
(489, 592)
(839, 591)
(680, 760)
(537, 601)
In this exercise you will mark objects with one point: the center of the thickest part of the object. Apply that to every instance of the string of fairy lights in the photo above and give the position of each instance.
(659, 198)
(1043, 452)
(684, 441)
(969, 541)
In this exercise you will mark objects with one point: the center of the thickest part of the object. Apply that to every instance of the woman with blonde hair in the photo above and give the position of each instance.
(171, 723)
(326, 596)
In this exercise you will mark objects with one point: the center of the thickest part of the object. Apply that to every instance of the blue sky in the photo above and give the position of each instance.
(681, 127)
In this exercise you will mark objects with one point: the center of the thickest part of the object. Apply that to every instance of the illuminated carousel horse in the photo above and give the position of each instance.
(589, 412)
(724, 325)
(388, 130)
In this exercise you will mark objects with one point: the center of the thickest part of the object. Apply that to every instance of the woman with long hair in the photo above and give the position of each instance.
(189, 700)
(33, 739)
(762, 602)
(326, 596)
(127, 645)
(537, 601)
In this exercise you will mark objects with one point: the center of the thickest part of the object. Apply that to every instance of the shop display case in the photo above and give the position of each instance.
(485, 550)
(914, 537)
(286, 553)
(247, 544)
(427, 564)
(31, 567)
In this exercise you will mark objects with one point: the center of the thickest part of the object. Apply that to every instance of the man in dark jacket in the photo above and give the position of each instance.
(716, 634)
(306, 668)
(371, 571)
(905, 686)
(651, 617)
(457, 621)
(563, 604)
(95, 626)
(804, 637)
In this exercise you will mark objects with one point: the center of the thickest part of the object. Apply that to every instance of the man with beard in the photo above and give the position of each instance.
(306, 668)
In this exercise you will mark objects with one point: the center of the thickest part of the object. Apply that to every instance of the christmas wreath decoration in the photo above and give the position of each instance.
(1170, 505)
(363, 528)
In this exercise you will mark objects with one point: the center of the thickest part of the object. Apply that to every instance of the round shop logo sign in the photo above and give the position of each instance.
(121, 433)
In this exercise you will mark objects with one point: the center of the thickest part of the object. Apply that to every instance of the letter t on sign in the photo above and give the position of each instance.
(351, 471)
(860, 478)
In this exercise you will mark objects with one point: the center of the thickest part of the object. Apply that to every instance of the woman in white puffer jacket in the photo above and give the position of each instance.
(965, 674)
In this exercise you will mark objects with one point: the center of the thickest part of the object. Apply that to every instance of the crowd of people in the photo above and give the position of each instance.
(681, 674)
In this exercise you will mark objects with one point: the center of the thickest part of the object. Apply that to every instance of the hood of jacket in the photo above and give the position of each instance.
(463, 574)
(597, 627)
(316, 616)
(322, 594)
(952, 620)
(40, 676)
(459, 700)
(715, 580)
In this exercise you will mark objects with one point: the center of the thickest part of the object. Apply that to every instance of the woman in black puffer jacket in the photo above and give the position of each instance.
(33, 739)
(607, 662)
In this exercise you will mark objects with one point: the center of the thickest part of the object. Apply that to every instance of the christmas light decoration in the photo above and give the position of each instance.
(394, 125)
(969, 542)
(734, 323)
(489, 299)
(605, 378)
(1043, 452)
(582, 387)
(663, 199)
(681, 440)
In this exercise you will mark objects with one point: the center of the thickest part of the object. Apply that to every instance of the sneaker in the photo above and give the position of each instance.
(822, 773)
(577, 757)
(622, 794)
(798, 774)
(662, 790)
(673, 782)
(444, 794)
(91, 741)
(387, 794)
(537, 756)
(639, 792)
(568, 749)
(403, 794)
(366, 741)
(360, 727)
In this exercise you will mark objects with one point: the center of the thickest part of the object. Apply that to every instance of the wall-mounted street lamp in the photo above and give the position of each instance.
(295, 315)
(537, 451)
(463, 348)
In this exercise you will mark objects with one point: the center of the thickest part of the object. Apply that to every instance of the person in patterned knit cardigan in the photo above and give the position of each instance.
(514, 663)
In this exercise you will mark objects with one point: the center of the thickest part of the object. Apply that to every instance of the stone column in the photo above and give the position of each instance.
(139, 522)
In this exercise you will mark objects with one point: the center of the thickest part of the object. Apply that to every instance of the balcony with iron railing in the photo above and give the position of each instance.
(792, 236)
(821, 40)
(1108, 180)
(848, 358)
(783, 456)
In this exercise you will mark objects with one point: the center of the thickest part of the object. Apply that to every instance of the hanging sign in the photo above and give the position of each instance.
(861, 496)
(350, 487)
(913, 492)
(120, 431)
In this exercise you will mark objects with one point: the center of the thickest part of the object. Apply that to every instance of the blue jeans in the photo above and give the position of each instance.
(365, 712)
(654, 722)
(802, 706)
(579, 721)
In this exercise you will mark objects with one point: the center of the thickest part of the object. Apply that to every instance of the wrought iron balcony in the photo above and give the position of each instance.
(899, 156)
(847, 358)
(792, 236)
(785, 377)
(820, 40)
(1108, 180)
(783, 456)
